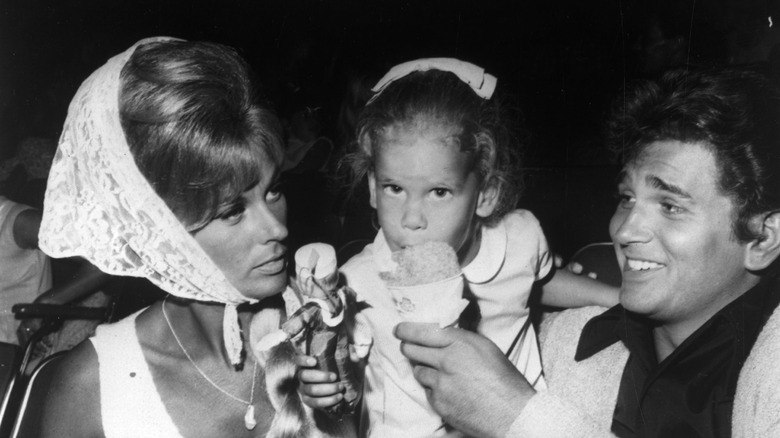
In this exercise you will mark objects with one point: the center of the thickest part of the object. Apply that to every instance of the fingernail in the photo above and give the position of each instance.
(333, 377)
(311, 362)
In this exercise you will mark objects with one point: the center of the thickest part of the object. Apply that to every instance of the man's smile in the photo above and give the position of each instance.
(641, 265)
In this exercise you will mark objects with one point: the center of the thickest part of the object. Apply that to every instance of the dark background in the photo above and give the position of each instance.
(562, 61)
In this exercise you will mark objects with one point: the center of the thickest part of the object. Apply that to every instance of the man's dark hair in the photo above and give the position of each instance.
(733, 111)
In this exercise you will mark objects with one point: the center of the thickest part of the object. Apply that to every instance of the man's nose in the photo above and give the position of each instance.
(631, 226)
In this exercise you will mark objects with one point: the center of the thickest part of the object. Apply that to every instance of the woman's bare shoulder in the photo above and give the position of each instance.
(72, 406)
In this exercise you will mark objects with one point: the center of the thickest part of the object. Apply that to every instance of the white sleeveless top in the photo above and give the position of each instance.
(130, 405)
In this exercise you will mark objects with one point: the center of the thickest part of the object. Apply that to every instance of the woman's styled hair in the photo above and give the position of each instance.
(197, 126)
(440, 98)
(735, 112)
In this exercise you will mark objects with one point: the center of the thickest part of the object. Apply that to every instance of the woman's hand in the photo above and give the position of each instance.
(318, 389)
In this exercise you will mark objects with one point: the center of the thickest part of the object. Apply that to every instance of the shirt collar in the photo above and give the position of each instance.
(600, 332)
(383, 256)
(485, 266)
(745, 316)
(491, 255)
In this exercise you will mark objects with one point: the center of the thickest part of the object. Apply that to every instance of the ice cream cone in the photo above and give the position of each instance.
(440, 302)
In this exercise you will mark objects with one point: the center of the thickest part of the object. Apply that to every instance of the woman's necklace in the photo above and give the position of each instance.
(249, 419)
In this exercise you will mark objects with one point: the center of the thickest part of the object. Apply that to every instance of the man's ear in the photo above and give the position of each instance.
(371, 189)
(487, 201)
(761, 252)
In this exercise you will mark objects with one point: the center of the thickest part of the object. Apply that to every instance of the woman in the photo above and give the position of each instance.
(167, 169)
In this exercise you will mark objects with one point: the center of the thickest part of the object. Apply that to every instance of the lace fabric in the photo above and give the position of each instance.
(99, 206)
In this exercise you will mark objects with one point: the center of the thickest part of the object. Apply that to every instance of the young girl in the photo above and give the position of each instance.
(438, 157)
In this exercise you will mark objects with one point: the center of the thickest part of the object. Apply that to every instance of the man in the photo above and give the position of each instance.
(697, 234)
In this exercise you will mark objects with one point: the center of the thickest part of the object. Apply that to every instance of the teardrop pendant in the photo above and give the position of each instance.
(249, 418)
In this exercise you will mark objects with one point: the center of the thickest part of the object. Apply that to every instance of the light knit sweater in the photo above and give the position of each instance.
(581, 396)
(757, 402)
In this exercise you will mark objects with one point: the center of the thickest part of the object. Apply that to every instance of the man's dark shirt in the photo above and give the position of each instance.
(691, 393)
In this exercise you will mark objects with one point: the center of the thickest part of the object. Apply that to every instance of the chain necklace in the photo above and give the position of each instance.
(249, 418)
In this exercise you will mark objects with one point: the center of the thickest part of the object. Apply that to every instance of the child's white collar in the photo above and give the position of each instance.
(484, 267)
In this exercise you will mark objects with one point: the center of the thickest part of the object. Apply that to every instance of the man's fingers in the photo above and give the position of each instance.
(425, 375)
(427, 335)
(421, 355)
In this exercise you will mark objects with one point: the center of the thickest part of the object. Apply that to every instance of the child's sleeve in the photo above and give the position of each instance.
(544, 259)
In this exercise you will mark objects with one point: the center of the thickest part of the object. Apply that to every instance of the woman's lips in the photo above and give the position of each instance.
(273, 266)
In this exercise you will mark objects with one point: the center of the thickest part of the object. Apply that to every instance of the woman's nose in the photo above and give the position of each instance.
(630, 226)
(413, 216)
(272, 224)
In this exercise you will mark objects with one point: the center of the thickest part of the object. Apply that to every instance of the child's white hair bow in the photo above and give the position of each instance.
(482, 83)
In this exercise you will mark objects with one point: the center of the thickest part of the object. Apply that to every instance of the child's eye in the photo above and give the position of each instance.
(441, 193)
(392, 189)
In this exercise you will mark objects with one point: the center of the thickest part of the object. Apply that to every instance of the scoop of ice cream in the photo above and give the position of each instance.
(422, 264)
(427, 285)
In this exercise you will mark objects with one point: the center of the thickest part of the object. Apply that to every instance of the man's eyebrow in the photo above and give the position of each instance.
(658, 183)
(621, 176)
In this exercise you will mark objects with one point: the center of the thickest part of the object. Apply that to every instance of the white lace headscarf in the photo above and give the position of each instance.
(99, 206)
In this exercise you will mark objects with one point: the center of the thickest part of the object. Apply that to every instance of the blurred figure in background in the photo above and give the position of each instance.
(25, 271)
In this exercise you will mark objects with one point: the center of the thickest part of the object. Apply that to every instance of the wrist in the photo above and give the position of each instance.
(46, 298)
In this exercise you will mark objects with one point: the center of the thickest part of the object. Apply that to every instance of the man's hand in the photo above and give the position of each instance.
(467, 379)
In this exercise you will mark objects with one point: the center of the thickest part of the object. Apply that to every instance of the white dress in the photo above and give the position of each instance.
(130, 405)
(512, 256)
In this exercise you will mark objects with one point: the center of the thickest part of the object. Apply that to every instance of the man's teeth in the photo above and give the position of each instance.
(642, 265)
